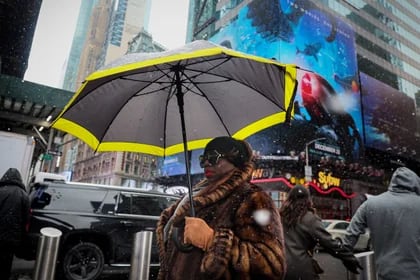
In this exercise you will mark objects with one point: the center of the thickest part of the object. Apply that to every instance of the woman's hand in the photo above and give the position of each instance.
(198, 233)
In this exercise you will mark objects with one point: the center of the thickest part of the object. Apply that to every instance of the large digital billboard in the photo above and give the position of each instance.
(389, 118)
(327, 104)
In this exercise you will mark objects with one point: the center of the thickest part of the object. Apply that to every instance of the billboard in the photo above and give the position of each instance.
(327, 104)
(175, 164)
(389, 118)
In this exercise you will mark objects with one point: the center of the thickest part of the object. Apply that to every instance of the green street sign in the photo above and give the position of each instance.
(47, 157)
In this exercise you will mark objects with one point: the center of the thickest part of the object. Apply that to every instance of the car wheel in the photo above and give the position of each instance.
(83, 261)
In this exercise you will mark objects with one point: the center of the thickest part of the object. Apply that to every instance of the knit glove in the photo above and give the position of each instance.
(198, 233)
(352, 265)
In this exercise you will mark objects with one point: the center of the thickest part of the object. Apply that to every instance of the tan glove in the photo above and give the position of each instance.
(198, 233)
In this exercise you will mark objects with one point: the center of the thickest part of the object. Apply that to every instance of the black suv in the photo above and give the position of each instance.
(97, 222)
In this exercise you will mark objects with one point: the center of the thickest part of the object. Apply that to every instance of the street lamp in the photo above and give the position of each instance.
(308, 169)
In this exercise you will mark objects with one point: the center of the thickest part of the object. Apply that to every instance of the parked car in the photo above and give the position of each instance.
(337, 228)
(98, 224)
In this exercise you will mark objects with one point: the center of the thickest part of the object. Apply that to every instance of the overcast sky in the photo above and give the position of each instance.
(56, 25)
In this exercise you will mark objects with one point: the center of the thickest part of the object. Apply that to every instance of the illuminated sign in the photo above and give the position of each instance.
(263, 173)
(326, 179)
(328, 149)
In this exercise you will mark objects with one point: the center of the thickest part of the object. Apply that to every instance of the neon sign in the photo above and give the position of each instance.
(327, 180)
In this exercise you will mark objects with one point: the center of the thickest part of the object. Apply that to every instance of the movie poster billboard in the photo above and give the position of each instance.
(327, 104)
(389, 118)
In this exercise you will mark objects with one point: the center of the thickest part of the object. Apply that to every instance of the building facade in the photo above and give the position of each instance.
(376, 41)
(105, 31)
(387, 34)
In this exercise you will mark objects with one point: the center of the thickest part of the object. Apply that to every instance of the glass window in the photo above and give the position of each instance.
(68, 198)
(140, 204)
(342, 226)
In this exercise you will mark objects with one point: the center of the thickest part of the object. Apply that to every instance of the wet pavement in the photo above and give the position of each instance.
(333, 267)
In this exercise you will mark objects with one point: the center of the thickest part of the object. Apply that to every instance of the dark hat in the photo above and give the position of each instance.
(298, 192)
(238, 152)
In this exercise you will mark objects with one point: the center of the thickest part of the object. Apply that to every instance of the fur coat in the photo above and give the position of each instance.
(241, 248)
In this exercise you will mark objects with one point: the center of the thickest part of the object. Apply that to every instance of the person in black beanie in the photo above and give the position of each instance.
(303, 230)
(236, 233)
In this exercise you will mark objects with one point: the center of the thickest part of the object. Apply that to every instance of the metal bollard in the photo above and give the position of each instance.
(140, 258)
(46, 255)
(367, 261)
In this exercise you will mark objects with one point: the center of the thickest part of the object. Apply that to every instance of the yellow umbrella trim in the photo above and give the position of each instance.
(175, 57)
(92, 141)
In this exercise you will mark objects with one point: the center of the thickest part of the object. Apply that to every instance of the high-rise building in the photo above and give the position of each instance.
(106, 30)
(387, 33)
(70, 81)
(103, 31)
(129, 19)
(17, 27)
(357, 97)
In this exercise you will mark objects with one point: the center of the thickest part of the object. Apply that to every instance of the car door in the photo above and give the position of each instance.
(138, 212)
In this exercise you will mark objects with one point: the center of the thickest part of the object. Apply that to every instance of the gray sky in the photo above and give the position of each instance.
(56, 25)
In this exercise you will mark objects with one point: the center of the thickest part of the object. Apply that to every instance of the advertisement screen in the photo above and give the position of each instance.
(327, 104)
(389, 117)
(172, 165)
(175, 164)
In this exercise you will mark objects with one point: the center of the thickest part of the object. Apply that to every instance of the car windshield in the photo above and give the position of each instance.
(326, 224)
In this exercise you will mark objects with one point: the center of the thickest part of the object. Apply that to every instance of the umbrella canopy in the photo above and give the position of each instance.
(146, 102)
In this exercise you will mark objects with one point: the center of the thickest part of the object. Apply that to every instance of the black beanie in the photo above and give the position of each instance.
(236, 151)
(298, 192)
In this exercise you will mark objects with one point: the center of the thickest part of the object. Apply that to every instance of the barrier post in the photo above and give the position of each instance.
(367, 261)
(140, 257)
(46, 255)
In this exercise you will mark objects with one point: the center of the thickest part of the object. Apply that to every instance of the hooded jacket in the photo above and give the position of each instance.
(14, 211)
(393, 220)
(241, 248)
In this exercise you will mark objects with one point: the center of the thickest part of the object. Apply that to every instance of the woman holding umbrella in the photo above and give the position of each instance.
(236, 232)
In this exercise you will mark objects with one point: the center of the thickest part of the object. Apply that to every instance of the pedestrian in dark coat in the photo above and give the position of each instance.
(14, 215)
(303, 230)
(393, 220)
(236, 233)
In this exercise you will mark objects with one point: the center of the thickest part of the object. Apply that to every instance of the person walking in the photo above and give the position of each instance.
(393, 220)
(14, 215)
(303, 230)
(236, 232)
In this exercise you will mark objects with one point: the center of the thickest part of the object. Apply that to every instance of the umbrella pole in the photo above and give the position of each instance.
(180, 99)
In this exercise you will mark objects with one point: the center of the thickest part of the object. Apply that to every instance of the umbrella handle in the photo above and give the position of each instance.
(181, 246)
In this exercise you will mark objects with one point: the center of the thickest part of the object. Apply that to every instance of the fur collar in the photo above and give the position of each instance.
(203, 199)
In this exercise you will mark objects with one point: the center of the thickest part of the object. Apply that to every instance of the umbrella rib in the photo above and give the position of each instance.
(227, 58)
(227, 79)
(211, 104)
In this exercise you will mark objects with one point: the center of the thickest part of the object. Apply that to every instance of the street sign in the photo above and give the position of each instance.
(54, 153)
(47, 157)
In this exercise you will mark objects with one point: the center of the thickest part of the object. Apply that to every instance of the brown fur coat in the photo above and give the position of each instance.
(241, 249)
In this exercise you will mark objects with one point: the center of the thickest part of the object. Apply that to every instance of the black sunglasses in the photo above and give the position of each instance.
(212, 157)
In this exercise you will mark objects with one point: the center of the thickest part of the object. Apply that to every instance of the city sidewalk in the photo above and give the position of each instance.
(21, 269)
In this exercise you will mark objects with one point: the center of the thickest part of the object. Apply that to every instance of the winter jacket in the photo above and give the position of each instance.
(300, 241)
(393, 220)
(14, 208)
(241, 248)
